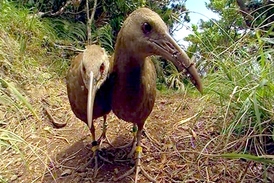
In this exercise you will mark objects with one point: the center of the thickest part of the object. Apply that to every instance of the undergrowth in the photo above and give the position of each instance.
(243, 89)
(28, 60)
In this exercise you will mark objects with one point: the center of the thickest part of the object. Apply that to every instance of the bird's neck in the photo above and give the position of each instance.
(134, 86)
(126, 63)
(127, 58)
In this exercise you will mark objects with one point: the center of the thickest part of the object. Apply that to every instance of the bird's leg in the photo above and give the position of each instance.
(96, 146)
(138, 150)
(138, 159)
(94, 149)
(104, 137)
(134, 142)
(137, 167)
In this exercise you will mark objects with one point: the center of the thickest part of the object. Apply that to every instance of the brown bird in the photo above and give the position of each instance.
(143, 34)
(88, 91)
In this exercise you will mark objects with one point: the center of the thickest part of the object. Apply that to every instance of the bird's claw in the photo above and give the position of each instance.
(103, 138)
(137, 167)
(96, 155)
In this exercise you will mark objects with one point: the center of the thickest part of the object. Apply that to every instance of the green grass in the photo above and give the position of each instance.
(19, 96)
(243, 88)
(23, 50)
(28, 60)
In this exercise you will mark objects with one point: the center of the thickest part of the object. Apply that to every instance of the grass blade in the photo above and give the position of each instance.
(20, 96)
(249, 157)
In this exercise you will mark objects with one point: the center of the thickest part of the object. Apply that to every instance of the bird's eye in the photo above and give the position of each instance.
(102, 68)
(146, 27)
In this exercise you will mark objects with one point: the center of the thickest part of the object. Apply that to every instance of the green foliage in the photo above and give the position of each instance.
(68, 30)
(216, 35)
(24, 42)
(262, 12)
(239, 75)
(243, 85)
(70, 23)
(13, 90)
(104, 37)
(174, 77)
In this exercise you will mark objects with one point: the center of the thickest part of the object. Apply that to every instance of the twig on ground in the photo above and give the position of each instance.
(54, 122)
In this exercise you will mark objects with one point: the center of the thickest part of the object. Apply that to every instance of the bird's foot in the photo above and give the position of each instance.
(137, 168)
(104, 139)
(95, 157)
(133, 149)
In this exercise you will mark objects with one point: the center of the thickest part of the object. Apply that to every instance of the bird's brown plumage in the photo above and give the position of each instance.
(95, 59)
(134, 87)
(135, 77)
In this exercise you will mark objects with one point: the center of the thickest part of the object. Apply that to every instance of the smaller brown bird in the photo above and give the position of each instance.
(88, 90)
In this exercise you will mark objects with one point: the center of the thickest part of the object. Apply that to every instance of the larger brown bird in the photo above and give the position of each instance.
(88, 90)
(143, 34)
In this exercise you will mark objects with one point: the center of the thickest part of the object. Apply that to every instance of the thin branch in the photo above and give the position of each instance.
(72, 48)
(59, 12)
(245, 12)
(54, 122)
(93, 11)
(90, 19)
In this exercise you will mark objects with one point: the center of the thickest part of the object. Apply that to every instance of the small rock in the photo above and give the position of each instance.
(116, 171)
(77, 179)
(17, 162)
(14, 177)
(14, 153)
(57, 165)
(149, 159)
(20, 173)
(34, 136)
(66, 172)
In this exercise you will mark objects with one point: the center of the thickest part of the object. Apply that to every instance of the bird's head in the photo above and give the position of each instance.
(145, 33)
(94, 71)
(95, 60)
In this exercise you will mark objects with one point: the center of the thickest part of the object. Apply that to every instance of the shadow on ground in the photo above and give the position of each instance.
(68, 165)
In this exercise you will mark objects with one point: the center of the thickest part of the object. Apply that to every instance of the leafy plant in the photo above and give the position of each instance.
(69, 30)
(104, 37)
(174, 78)
(244, 87)
(239, 76)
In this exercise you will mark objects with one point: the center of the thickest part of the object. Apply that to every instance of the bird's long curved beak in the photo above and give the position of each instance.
(170, 50)
(91, 97)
